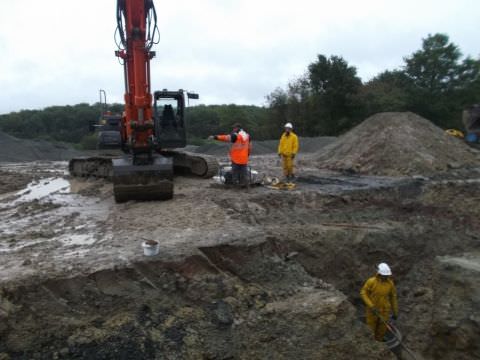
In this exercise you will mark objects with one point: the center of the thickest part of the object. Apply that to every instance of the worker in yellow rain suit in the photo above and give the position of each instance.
(380, 296)
(287, 150)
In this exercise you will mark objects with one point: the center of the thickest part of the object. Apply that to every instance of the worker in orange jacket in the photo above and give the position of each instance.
(239, 153)
(287, 150)
(380, 297)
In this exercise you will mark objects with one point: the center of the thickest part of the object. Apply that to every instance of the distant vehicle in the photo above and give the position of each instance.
(107, 126)
(471, 122)
(109, 136)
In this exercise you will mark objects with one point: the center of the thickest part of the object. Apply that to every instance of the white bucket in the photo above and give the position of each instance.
(150, 247)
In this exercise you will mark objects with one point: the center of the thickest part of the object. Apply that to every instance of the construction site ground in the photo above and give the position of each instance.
(253, 273)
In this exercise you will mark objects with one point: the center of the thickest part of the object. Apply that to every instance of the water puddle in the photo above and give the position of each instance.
(38, 190)
(49, 210)
(79, 239)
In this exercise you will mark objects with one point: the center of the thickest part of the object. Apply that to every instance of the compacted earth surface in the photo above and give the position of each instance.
(255, 273)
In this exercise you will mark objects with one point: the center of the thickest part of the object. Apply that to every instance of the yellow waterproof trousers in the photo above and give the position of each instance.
(376, 325)
(287, 162)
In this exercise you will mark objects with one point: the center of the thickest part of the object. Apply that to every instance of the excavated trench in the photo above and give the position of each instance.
(228, 302)
(293, 293)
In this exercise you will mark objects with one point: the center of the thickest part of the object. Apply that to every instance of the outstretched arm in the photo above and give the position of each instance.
(225, 138)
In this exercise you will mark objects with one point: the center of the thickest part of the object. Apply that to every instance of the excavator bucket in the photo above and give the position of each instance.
(142, 182)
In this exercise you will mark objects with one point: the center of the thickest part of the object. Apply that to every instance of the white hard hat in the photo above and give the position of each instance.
(384, 269)
(289, 125)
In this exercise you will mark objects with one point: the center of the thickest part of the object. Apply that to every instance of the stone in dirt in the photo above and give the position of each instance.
(396, 144)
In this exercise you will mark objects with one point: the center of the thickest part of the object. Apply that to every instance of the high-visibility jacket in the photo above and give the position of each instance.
(288, 144)
(240, 149)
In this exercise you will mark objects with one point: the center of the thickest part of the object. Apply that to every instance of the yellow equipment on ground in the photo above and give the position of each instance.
(455, 133)
(283, 186)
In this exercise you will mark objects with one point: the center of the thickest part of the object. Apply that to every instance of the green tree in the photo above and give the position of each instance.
(388, 91)
(332, 104)
(322, 102)
(278, 112)
(443, 83)
(203, 120)
(435, 68)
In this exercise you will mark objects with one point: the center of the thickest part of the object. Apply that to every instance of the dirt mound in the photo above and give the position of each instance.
(396, 144)
(19, 150)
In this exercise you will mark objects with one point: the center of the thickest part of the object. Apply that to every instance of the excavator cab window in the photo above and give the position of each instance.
(169, 122)
(168, 117)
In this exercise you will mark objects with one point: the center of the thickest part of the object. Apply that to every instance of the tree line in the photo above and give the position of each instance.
(330, 98)
(436, 82)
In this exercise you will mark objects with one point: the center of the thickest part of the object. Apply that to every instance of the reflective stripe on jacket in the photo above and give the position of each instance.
(240, 149)
(288, 144)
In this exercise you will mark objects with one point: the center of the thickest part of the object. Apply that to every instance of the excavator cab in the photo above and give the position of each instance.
(169, 114)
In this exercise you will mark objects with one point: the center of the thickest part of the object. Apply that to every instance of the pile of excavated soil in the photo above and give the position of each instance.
(19, 150)
(396, 144)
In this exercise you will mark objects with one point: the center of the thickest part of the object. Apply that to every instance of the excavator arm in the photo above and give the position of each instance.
(142, 175)
(137, 29)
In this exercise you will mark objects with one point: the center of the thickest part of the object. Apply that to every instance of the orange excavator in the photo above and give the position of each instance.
(149, 134)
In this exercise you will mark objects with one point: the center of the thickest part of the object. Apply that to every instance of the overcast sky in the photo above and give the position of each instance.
(59, 52)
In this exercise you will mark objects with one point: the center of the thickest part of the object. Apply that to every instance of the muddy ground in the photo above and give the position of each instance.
(257, 274)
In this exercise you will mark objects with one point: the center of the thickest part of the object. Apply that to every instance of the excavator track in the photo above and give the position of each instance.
(189, 163)
(144, 182)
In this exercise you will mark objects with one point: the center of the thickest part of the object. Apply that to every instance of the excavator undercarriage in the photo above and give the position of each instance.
(144, 182)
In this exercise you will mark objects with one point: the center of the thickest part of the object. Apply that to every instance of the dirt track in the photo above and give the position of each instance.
(248, 275)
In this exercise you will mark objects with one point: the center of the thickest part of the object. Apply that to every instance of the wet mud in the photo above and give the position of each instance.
(241, 274)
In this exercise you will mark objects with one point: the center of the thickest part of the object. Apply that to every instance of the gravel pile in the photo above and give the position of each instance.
(19, 150)
(396, 144)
